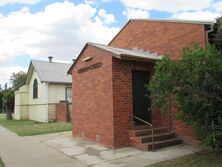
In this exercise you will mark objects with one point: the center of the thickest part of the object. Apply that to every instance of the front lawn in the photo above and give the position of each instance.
(193, 160)
(27, 127)
(1, 163)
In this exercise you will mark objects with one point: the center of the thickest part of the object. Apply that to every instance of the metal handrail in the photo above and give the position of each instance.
(150, 126)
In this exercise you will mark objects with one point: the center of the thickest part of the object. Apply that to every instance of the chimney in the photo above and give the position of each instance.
(50, 59)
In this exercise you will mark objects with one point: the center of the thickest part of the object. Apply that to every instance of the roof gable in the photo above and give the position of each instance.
(121, 53)
(204, 22)
(49, 72)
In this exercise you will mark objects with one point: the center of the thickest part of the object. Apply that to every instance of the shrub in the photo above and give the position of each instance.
(195, 85)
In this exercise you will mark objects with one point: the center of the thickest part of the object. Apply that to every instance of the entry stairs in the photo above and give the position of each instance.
(141, 138)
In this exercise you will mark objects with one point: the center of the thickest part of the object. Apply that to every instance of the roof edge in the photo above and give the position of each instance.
(205, 22)
(31, 68)
(51, 82)
(90, 44)
(51, 62)
(120, 56)
(73, 64)
(119, 32)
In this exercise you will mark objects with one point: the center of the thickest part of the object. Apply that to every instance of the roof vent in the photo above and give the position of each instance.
(135, 49)
(140, 51)
(50, 59)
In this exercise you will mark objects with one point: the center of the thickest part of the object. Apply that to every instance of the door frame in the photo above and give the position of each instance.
(151, 73)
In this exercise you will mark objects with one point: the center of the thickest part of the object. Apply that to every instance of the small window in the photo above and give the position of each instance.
(35, 89)
(69, 94)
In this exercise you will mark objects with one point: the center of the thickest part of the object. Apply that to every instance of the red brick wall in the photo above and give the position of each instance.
(103, 96)
(160, 37)
(93, 98)
(122, 97)
(163, 38)
(62, 112)
(123, 104)
(182, 129)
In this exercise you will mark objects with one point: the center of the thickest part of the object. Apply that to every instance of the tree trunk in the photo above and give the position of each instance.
(8, 111)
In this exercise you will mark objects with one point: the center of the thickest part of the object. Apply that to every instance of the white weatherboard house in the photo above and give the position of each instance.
(47, 83)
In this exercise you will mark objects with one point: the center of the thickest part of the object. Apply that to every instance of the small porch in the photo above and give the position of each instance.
(143, 128)
(109, 110)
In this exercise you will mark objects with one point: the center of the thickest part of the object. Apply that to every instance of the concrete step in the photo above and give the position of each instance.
(141, 138)
(160, 144)
(144, 132)
(142, 127)
(157, 137)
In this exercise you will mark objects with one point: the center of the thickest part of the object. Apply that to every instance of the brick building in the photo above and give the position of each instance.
(108, 84)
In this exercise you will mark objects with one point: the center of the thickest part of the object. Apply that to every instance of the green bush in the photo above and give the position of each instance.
(194, 84)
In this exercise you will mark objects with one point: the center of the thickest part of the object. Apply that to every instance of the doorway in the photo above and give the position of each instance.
(141, 102)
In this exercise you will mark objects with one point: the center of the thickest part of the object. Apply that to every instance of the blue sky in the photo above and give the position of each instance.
(36, 29)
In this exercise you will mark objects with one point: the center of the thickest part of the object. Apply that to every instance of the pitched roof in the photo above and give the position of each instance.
(120, 53)
(51, 72)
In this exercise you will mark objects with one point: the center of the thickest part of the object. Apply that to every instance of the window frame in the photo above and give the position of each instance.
(66, 96)
(35, 89)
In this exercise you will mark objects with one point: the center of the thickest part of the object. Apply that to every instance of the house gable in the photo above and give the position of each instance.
(159, 36)
(30, 72)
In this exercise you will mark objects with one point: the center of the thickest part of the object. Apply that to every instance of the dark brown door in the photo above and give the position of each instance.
(141, 102)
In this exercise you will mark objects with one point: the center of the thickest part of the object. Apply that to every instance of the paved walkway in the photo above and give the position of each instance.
(18, 151)
(62, 150)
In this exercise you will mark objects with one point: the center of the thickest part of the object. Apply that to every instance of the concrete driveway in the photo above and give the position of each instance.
(62, 150)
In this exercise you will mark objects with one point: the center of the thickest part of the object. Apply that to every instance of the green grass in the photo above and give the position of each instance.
(193, 160)
(27, 127)
(1, 163)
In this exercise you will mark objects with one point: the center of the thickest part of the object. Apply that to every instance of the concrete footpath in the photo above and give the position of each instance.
(18, 151)
(62, 150)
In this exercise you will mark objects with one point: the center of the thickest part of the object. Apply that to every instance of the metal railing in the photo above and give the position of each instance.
(152, 129)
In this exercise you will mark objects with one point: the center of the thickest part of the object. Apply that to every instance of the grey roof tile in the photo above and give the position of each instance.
(52, 72)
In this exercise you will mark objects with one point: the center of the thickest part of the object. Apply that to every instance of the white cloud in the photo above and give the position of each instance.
(197, 15)
(136, 13)
(3, 2)
(61, 31)
(169, 5)
(5, 73)
(108, 18)
(218, 6)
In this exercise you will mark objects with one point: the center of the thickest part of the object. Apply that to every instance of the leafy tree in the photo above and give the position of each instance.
(194, 85)
(8, 100)
(217, 34)
(17, 79)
